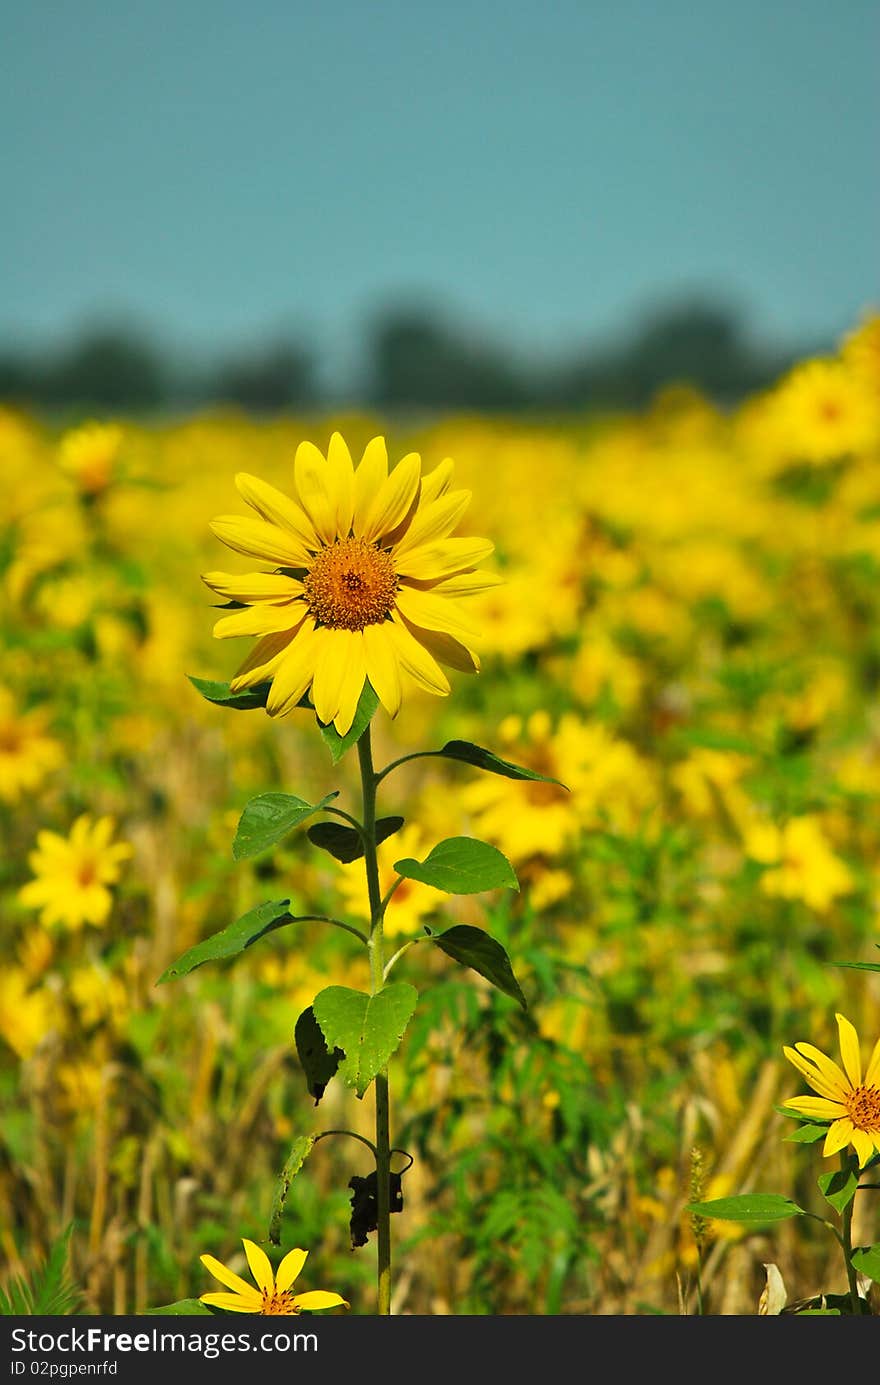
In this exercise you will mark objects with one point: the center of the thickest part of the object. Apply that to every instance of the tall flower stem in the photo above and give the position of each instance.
(846, 1242)
(369, 781)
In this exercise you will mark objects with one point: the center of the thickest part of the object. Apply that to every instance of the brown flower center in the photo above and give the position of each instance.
(863, 1106)
(350, 585)
(276, 1304)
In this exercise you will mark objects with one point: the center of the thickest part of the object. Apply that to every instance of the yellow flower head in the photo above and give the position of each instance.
(850, 1102)
(272, 1295)
(89, 455)
(27, 754)
(366, 581)
(73, 874)
(825, 412)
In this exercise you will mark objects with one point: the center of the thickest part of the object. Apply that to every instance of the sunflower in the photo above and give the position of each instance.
(73, 874)
(850, 1102)
(365, 584)
(272, 1295)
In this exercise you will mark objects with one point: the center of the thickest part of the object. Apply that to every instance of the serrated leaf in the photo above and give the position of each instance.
(268, 818)
(838, 1187)
(299, 1152)
(368, 1029)
(474, 948)
(749, 1207)
(461, 865)
(476, 755)
(229, 942)
(344, 843)
(222, 696)
(867, 1261)
(183, 1308)
(318, 1062)
(366, 710)
(807, 1134)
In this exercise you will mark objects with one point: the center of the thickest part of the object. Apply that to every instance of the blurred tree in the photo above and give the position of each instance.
(107, 369)
(274, 377)
(415, 359)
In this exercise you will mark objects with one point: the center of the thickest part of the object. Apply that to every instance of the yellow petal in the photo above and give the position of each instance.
(872, 1072)
(232, 1303)
(434, 521)
(353, 682)
(257, 539)
(434, 613)
(431, 561)
(849, 1050)
(317, 1299)
(253, 586)
(818, 1106)
(416, 660)
(229, 1278)
(446, 649)
(342, 482)
(295, 671)
(823, 1076)
(276, 507)
(261, 1265)
(260, 620)
(263, 660)
(467, 583)
(383, 667)
(290, 1269)
(437, 482)
(838, 1137)
(368, 481)
(863, 1146)
(392, 502)
(331, 663)
(314, 484)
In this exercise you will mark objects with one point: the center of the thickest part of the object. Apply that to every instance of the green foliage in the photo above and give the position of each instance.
(749, 1207)
(344, 843)
(807, 1134)
(839, 1187)
(471, 754)
(46, 1292)
(461, 865)
(300, 1151)
(319, 1063)
(368, 1029)
(866, 1260)
(229, 942)
(222, 695)
(366, 710)
(183, 1308)
(268, 818)
(474, 948)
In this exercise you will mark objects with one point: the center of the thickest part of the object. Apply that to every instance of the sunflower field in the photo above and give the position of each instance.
(683, 651)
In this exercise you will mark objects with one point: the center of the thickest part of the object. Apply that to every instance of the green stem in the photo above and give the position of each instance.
(415, 755)
(369, 782)
(846, 1242)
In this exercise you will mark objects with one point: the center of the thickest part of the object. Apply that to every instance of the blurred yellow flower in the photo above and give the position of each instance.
(73, 873)
(824, 412)
(803, 864)
(89, 455)
(272, 1295)
(365, 585)
(27, 754)
(849, 1101)
(26, 1015)
(411, 902)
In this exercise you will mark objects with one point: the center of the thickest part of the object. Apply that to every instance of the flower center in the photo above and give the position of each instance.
(275, 1304)
(351, 584)
(863, 1105)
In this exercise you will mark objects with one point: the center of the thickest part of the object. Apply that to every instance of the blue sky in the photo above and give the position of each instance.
(548, 170)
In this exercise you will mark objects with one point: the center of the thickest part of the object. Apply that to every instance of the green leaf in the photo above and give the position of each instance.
(268, 818)
(471, 754)
(867, 1261)
(366, 709)
(461, 865)
(222, 696)
(318, 1063)
(265, 918)
(184, 1308)
(838, 1188)
(346, 844)
(474, 948)
(368, 1029)
(299, 1153)
(859, 966)
(807, 1134)
(750, 1207)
